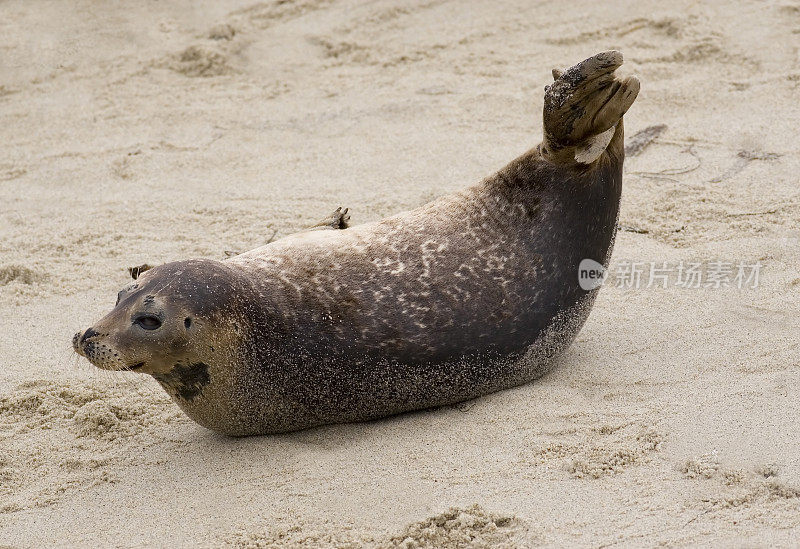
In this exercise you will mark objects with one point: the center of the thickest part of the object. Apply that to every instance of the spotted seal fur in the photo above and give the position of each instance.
(472, 293)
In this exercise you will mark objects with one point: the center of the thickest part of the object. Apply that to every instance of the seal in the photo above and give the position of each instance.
(472, 293)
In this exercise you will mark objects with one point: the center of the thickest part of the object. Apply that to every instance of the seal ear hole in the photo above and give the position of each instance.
(187, 322)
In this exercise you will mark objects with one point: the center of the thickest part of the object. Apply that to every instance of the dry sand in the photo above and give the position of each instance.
(154, 131)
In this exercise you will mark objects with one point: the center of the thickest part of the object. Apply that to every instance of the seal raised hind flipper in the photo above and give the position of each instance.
(474, 292)
(582, 107)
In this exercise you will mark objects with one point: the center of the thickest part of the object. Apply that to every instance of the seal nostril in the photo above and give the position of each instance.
(87, 334)
(187, 322)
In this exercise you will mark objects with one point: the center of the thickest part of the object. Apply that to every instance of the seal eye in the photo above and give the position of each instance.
(148, 322)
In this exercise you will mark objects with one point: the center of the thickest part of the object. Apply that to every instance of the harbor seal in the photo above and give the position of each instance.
(472, 293)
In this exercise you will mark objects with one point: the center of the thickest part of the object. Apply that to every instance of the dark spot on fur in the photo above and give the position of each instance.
(185, 381)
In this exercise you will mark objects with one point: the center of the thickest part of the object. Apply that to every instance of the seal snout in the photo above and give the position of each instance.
(80, 339)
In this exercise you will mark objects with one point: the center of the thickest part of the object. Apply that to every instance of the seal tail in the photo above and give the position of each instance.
(583, 106)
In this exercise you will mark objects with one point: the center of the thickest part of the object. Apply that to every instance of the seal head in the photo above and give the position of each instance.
(174, 322)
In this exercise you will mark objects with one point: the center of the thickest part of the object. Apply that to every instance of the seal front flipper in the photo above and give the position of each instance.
(582, 108)
(338, 219)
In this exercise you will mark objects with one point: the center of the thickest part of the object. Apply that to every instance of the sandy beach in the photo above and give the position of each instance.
(155, 131)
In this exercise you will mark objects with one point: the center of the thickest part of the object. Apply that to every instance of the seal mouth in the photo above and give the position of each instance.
(136, 366)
